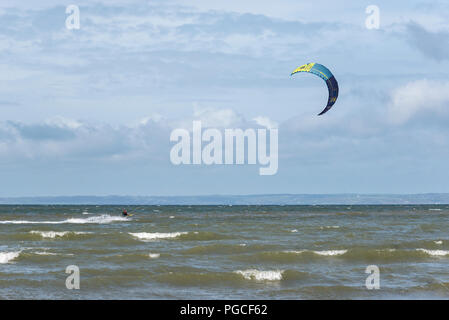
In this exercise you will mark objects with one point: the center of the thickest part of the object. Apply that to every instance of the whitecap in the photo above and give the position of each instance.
(330, 252)
(49, 234)
(145, 236)
(440, 253)
(387, 249)
(45, 253)
(105, 218)
(254, 274)
(54, 234)
(154, 255)
(295, 251)
(321, 253)
(6, 257)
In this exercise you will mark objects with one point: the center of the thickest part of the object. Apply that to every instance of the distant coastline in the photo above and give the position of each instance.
(262, 199)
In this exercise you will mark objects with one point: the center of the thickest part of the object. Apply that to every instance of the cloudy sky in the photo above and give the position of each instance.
(90, 111)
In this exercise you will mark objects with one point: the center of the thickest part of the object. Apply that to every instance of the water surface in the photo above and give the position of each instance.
(225, 252)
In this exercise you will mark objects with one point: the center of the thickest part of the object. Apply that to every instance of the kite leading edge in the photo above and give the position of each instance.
(327, 76)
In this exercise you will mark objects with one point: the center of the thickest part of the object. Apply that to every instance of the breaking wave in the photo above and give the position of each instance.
(147, 236)
(330, 252)
(56, 234)
(440, 253)
(196, 235)
(104, 218)
(254, 274)
(6, 257)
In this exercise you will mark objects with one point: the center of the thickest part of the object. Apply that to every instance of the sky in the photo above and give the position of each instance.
(89, 111)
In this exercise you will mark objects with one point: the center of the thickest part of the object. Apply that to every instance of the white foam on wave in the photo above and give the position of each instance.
(434, 209)
(440, 253)
(387, 249)
(6, 257)
(438, 242)
(294, 230)
(321, 253)
(54, 234)
(295, 251)
(330, 252)
(254, 274)
(147, 236)
(329, 227)
(45, 253)
(104, 218)
(154, 255)
(49, 234)
(85, 212)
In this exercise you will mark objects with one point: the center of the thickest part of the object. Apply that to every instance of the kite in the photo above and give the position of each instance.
(324, 73)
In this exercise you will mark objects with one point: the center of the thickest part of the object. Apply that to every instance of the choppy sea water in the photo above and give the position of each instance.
(224, 252)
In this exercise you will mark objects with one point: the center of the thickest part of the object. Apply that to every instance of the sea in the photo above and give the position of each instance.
(224, 252)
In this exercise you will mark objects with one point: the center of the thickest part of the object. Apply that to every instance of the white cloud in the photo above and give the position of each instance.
(416, 96)
(217, 118)
(147, 139)
(266, 122)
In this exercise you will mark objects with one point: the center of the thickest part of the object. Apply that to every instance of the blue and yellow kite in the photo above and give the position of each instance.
(326, 75)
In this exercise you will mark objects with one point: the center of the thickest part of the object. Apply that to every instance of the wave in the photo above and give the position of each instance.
(320, 253)
(393, 254)
(254, 274)
(196, 235)
(203, 236)
(289, 256)
(356, 254)
(44, 253)
(104, 218)
(56, 234)
(39, 255)
(237, 278)
(146, 236)
(440, 253)
(222, 248)
(6, 257)
(129, 257)
(330, 252)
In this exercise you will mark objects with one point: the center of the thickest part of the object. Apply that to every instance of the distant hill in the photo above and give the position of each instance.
(263, 199)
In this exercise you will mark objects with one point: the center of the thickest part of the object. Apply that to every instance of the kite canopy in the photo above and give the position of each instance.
(326, 75)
